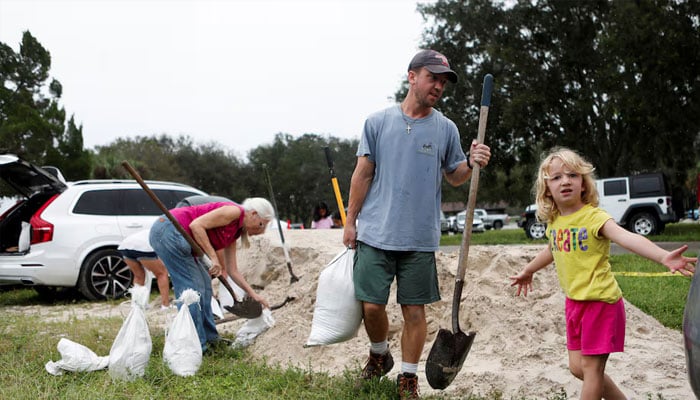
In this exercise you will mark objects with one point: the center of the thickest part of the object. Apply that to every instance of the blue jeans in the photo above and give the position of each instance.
(185, 273)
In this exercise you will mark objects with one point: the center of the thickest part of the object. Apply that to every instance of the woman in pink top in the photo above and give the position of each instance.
(322, 217)
(214, 226)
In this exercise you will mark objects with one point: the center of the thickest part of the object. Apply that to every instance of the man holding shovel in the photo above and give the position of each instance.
(395, 199)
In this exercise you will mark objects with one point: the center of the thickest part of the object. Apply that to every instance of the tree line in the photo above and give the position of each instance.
(615, 80)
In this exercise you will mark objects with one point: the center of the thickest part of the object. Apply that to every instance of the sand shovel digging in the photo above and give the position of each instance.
(293, 278)
(246, 308)
(450, 349)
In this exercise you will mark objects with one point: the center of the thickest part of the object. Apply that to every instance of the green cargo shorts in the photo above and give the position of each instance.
(415, 272)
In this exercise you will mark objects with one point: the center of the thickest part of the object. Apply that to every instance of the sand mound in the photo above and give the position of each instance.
(520, 346)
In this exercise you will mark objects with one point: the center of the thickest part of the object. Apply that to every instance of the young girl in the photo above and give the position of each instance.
(579, 236)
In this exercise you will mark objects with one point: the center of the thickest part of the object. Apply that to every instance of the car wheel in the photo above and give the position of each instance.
(497, 224)
(104, 275)
(535, 229)
(643, 224)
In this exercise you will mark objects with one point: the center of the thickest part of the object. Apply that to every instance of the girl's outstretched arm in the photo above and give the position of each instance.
(638, 244)
(524, 279)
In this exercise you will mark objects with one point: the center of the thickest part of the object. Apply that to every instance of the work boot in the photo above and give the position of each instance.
(377, 365)
(408, 386)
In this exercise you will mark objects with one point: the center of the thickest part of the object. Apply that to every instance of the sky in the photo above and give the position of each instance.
(232, 72)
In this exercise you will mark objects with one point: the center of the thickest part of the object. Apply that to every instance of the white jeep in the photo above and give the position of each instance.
(640, 203)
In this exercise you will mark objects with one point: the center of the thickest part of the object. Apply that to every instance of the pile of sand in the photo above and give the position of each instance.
(519, 348)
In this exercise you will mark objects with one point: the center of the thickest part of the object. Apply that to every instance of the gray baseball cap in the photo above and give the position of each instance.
(434, 62)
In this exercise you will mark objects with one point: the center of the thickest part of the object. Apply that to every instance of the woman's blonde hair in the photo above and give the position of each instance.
(546, 207)
(260, 205)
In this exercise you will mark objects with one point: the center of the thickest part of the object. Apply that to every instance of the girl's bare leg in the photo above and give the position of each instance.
(596, 383)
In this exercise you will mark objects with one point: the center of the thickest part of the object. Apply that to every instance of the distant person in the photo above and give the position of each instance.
(393, 218)
(214, 226)
(140, 256)
(322, 217)
(579, 234)
(337, 219)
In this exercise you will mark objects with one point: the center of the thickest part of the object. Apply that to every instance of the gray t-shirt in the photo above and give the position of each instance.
(402, 207)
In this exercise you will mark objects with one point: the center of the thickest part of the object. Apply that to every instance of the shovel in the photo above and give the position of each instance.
(450, 348)
(246, 308)
(334, 182)
(293, 278)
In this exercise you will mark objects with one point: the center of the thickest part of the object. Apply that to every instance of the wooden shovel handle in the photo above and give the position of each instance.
(195, 246)
(471, 202)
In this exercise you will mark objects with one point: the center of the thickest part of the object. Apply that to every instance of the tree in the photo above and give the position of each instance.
(153, 157)
(616, 81)
(32, 124)
(299, 172)
(211, 168)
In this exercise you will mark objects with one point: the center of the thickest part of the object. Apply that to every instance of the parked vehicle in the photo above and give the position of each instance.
(640, 203)
(444, 223)
(477, 223)
(65, 234)
(495, 221)
(452, 223)
(534, 229)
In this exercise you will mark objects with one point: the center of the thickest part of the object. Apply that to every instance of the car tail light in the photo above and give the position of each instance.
(42, 231)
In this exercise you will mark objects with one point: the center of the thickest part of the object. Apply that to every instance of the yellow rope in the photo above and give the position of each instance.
(645, 274)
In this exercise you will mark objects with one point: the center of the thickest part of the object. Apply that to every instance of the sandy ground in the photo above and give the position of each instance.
(519, 348)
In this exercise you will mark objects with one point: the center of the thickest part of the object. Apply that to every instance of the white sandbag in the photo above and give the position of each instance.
(216, 308)
(182, 351)
(253, 328)
(148, 281)
(24, 237)
(225, 298)
(75, 358)
(337, 313)
(131, 349)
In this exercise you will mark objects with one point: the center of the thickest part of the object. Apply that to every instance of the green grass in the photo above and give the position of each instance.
(27, 342)
(662, 297)
(501, 236)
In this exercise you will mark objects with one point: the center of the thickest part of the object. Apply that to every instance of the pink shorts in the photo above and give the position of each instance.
(595, 327)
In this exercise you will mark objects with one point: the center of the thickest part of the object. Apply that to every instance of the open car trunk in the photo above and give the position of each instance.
(32, 187)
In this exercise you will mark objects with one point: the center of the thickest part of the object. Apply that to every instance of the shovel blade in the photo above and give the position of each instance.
(447, 356)
(247, 308)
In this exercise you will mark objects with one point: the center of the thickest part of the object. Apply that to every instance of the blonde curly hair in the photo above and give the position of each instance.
(547, 209)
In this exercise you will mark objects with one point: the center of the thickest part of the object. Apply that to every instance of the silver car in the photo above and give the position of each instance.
(444, 223)
(477, 223)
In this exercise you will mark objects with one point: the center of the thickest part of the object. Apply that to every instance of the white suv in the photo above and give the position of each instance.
(62, 234)
(641, 203)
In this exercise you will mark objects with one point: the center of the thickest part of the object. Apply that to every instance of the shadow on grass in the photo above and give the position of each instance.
(18, 295)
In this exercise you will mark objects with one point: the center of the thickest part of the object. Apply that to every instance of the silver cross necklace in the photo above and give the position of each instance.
(408, 125)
